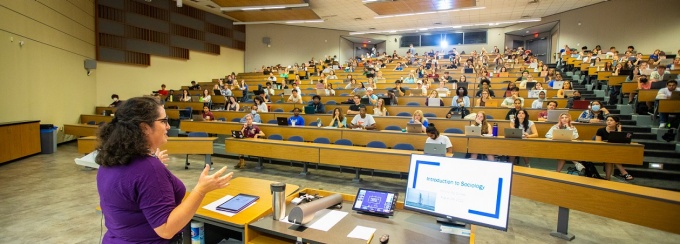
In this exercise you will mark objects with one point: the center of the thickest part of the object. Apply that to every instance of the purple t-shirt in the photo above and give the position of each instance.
(136, 198)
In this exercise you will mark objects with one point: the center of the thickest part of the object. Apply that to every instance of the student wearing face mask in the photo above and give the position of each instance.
(116, 102)
(595, 114)
(253, 114)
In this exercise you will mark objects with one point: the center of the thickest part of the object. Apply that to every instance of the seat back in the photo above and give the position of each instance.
(344, 142)
(393, 127)
(275, 137)
(197, 134)
(429, 115)
(376, 144)
(453, 131)
(404, 146)
(407, 114)
(322, 140)
(295, 138)
(272, 121)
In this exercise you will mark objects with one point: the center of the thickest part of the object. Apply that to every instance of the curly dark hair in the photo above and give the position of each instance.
(122, 139)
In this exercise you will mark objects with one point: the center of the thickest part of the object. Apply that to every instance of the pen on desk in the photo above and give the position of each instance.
(370, 238)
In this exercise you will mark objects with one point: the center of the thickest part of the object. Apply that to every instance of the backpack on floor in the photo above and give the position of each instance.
(591, 171)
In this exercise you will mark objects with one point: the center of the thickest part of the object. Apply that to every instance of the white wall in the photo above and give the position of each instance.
(645, 24)
(133, 80)
(289, 45)
(45, 79)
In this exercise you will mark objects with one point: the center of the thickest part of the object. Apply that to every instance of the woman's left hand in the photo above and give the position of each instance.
(162, 156)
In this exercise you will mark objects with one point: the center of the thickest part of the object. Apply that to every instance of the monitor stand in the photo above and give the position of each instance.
(450, 222)
(454, 227)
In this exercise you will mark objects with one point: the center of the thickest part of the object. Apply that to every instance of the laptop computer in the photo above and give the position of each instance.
(236, 134)
(217, 92)
(365, 101)
(562, 135)
(620, 137)
(491, 103)
(414, 128)
(530, 85)
(433, 102)
(513, 133)
(460, 84)
(108, 112)
(309, 110)
(473, 130)
(360, 92)
(321, 92)
(282, 121)
(580, 104)
(569, 93)
(503, 74)
(558, 84)
(674, 96)
(469, 71)
(416, 92)
(554, 115)
(435, 149)
(287, 92)
(658, 85)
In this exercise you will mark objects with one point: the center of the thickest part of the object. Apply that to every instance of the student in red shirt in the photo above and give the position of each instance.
(207, 115)
(162, 91)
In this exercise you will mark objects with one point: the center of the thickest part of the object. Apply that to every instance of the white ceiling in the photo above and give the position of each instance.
(342, 14)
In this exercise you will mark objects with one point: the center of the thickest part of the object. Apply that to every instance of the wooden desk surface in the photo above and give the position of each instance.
(101, 109)
(261, 208)
(669, 106)
(654, 208)
(628, 87)
(647, 95)
(578, 150)
(80, 130)
(84, 118)
(175, 145)
(195, 106)
(404, 227)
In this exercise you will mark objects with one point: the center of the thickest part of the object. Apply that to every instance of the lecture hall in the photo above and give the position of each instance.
(343, 121)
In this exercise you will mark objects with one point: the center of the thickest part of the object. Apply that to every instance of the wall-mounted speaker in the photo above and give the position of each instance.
(90, 64)
(266, 40)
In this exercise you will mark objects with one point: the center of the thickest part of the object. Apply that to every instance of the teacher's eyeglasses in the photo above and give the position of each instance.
(164, 120)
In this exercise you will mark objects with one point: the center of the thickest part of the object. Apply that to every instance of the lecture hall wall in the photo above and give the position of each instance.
(45, 79)
(131, 80)
(645, 24)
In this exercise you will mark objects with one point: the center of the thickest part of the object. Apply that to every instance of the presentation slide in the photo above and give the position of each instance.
(473, 190)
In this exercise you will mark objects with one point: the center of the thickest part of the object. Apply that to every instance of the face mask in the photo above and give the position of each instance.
(115, 99)
(253, 111)
(596, 108)
(577, 98)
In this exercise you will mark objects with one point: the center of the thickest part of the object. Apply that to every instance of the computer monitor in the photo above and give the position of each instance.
(455, 189)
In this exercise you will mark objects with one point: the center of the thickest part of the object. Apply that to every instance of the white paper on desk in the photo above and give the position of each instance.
(323, 220)
(361, 232)
(213, 206)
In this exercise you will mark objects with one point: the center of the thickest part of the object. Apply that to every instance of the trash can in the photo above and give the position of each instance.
(48, 139)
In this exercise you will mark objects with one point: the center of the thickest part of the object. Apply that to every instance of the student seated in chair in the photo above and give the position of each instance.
(665, 93)
(354, 108)
(575, 97)
(510, 100)
(253, 114)
(116, 101)
(319, 108)
(363, 121)
(372, 98)
(296, 119)
(206, 114)
(513, 111)
(433, 136)
(295, 97)
(543, 115)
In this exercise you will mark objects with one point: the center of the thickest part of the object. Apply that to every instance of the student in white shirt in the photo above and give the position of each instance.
(665, 93)
(509, 102)
(523, 84)
(363, 121)
(433, 136)
(295, 97)
(538, 103)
